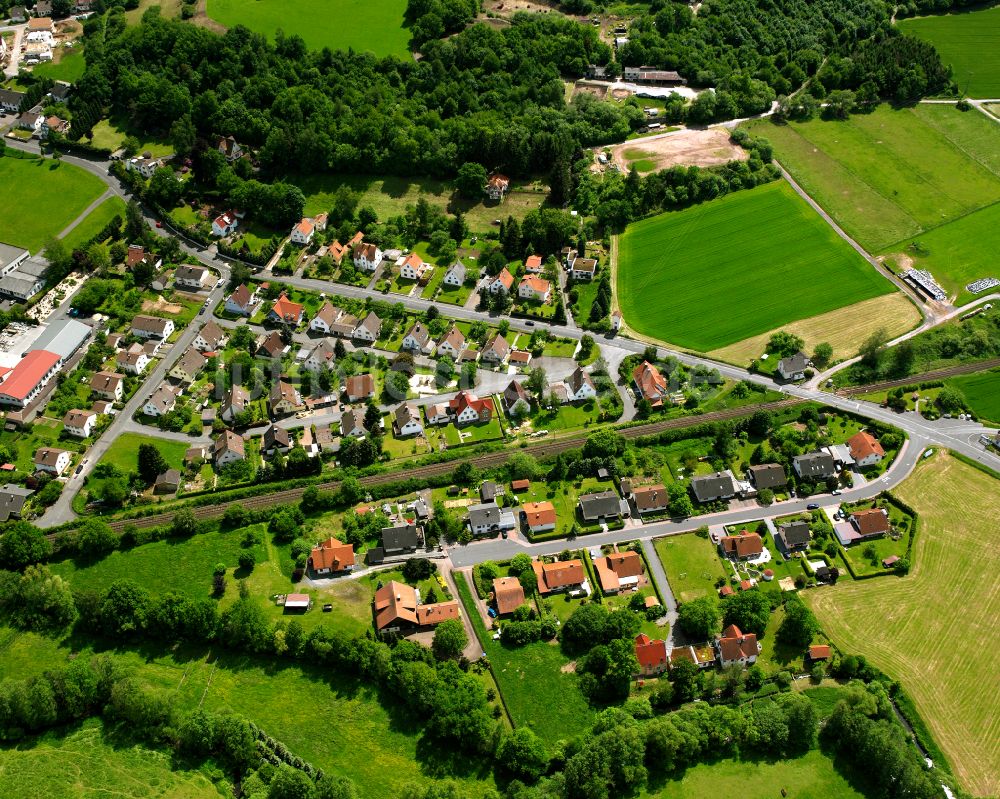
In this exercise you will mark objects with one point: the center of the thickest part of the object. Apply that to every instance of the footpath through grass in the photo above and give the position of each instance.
(722, 271)
(970, 42)
(374, 26)
(95, 222)
(929, 627)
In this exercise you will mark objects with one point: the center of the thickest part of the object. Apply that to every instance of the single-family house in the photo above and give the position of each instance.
(276, 439)
(602, 506)
(284, 399)
(733, 647)
(496, 350)
(793, 536)
(134, 360)
(52, 460)
(489, 519)
(502, 283)
(818, 653)
(320, 357)
(561, 575)
(286, 311)
(768, 475)
(302, 232)
(331, 557)
(742, 546)
(651, 499)
(167, 483)
(401, 539)
(359, 387)
(368, 329)
(325, 318)
(53, 124)
(211, 338)
(367, 257)
(10, 100)
(412, 267)
(438, 413)
(793, 367)
(451, 343)
(514, 393)
(230, 148)
(534, 288)
(417, 339)
(861, 525)
(583, 269)
(579, 386)
(650, 384)
(18, 14)
(489, 491)
(539, 517)
(519, 358)
(352, 424)
(79, 424)
(406, 420)
(497, 186)
(242, 301)
(533, 264)
(508, 595)
(467, 408)
(29, 120)
(234, 403)
(619, 571)
(455, 276)
(147, 327)
(397, 609)
(192, 277)
(865, 449)
(814, 465)
(109, 385)
(188, 366)
(228, 448)
(272, 345)
(161, 402)
(651, 655)
(710, 487)
(225, 224)
(12, 499)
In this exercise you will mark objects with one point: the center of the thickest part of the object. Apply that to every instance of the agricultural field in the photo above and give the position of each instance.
(95, 222)
(346, 25)
(970, 42)
(982, 393)
(45, 197)
(917, 637)
(692, 566)
(892, 174)
(844, 329)
(742, 265)
(89, 760)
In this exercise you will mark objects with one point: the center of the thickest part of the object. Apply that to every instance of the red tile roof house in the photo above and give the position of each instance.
(508, 595)
(564, 575)
(734, 647)
(652, 656)
(618, 571)
(359, 387)
(650, 384)
(818, 652)
(742, 546)
(467, 408)
(286, 311)
(539, 516)
(331, 557)
(865, 449)
(397, 609)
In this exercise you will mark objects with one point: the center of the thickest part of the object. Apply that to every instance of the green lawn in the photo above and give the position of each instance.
(95, 222)
(982, 392)
(112, 134)
(692, 566)
(44, 433)
(894, 173)
(812, 776)
(355, 25)
(736, 267)
(69, 67)
(44, 197)
(86, 760)
(122, 452)
(969, 42)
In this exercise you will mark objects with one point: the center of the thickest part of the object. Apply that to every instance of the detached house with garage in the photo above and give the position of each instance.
(489, 519)
(325, 318)
(768, 475)
(862, 525)
(276, 439)
(561, 576)
(651, 499)
(192, 277)
(793, 367)
(397, 609)
(814, 466)
(865, 449)
(741, 547)
(619, 571)
(711, 487)
(271, 346)
(734, 647)
(603, 506)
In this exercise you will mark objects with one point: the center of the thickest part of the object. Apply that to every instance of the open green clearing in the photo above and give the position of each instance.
(125, 449)
(894, 173)
(112, 134)
(692, 565)
(95, 221)
(812, 776)
(982, 392)
(44, 197)
(359, 25)
(736, 267)
(929, 627)
(69, 66)
(89, 761)
(970, 42)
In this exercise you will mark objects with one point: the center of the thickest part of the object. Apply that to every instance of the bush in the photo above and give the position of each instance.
(247, 561)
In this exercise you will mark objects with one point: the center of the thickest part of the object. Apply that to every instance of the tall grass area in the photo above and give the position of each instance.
(750, 262)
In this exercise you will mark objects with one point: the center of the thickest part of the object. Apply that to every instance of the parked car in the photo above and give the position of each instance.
(812, 506)
(836, 492)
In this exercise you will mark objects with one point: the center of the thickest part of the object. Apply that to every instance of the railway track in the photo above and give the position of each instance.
(937, 374)
(485, 461)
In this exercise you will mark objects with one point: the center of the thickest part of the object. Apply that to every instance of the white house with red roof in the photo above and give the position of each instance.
(367, 256)
(467, 408)
(735, 647)
(650, 384)
(865, 449)
(533, 264)
(412, 267)
(302, 232)
(284, 310)
(534, 288)
(225, 224)
(26, 380)
(502, 283)
(652, 655)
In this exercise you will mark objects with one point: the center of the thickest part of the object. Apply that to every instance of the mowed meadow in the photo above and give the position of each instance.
(933, 630)
(374, 26)
(732, 268)
(969, 42)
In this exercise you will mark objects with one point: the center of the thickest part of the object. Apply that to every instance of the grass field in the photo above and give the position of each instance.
(970, 42)
(68, 66)
(893, 174)
(929, 627)
(982, 392)
(844, 329)
(692, 566)
(737, 267)
(358, 25)
(112, 135)
(44, 198)
(95, 221)
(86, 761)
(122, 453)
